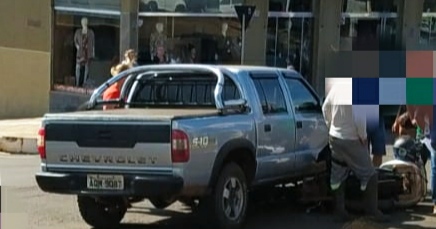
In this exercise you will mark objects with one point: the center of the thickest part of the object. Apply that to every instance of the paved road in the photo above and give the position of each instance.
(35, 209)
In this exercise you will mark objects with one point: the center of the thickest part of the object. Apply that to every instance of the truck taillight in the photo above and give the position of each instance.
(179, 146)
(41, 143)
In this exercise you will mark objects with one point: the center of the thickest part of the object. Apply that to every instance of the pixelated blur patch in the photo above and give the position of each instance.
(392, 64)
(365, 91)
(365, 64)
(434, 64)
(419, 64)
(345, 87)
(392, 91)
(434, 90)
(419, 91)
(341, 65)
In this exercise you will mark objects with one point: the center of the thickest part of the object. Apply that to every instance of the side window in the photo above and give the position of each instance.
(301, 96)
(271, 96)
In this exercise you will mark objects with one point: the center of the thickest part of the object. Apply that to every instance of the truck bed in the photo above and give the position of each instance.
(133, 114)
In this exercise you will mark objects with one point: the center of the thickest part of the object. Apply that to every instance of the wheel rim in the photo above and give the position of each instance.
(233, 198)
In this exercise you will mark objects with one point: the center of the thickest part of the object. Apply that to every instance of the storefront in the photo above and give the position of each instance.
(90, 36)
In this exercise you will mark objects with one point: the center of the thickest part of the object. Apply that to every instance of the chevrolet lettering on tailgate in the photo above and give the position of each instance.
(76, 158)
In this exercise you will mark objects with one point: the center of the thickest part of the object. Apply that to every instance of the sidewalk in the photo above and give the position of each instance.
(19, 135)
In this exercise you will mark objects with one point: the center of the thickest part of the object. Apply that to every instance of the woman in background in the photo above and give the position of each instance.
(114, 91)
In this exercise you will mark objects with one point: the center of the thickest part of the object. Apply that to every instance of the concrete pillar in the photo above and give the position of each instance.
(326, 40)
(256, 34)
(128, 26)
(409, 23)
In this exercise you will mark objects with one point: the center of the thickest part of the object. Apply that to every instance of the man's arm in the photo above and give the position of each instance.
(359, 117)
(327, 111)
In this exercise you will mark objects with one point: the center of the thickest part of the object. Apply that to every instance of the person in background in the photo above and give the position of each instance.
(160, 57)
(130, 58)
(114, 91)
(192, 54)
(422, 117)
(403, 124)
(376, 139)
(348, 143)
(114, 62)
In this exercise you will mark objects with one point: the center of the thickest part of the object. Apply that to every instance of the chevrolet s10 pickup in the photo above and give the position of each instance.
(204, 135)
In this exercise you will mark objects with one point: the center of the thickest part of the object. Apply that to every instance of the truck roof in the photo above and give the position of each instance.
(239, 68)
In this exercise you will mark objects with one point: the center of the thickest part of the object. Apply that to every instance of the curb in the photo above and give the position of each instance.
(18, 145)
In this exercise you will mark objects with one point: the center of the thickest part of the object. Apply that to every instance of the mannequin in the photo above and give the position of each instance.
(84, 41)
(224, 51)
(157, 38)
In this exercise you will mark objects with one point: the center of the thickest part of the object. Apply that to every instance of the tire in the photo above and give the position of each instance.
(95, 214)
(180, 8)
(161, 203)
(153, 7)
(232, 179)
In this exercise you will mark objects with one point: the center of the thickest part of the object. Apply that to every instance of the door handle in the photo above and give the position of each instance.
(299, 124)
(267, 128)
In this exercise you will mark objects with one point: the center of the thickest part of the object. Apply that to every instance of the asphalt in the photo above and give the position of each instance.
(24, 205)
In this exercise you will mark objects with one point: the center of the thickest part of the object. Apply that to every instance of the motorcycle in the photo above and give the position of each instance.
(402, 182)
(410, 157)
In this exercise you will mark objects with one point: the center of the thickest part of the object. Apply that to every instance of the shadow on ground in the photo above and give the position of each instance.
(286, 214)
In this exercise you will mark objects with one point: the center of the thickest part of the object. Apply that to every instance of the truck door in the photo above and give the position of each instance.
(275, 128)
(312, 132)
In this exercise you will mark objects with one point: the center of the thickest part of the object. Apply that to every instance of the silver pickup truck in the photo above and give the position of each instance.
(200, 134)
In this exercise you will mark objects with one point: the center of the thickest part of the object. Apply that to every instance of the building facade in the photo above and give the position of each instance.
(56, 52)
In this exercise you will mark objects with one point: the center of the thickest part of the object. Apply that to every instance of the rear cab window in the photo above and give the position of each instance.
(180, 90)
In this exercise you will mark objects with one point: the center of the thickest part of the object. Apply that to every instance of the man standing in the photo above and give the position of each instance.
(348, 143)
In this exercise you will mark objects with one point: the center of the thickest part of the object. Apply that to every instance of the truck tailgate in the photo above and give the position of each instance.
(108, 143)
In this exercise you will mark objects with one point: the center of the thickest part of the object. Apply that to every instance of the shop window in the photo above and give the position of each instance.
(84, 48)
(366, 6)
(193, 6)
(429, 6)
(289, 43)
(290, 5)
(190, 40)
(89, 4)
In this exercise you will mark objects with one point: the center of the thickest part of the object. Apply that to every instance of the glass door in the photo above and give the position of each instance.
(369, 31)
(289, 40)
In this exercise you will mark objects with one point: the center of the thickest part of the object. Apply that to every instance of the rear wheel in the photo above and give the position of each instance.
(102, 213)
(227, 206)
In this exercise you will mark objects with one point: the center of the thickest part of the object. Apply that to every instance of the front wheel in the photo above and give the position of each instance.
(229, 199)
(102, 213)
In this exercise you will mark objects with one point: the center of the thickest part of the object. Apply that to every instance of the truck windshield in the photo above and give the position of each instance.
(180, 90)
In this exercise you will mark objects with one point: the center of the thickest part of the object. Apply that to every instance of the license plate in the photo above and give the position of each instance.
(105, 182)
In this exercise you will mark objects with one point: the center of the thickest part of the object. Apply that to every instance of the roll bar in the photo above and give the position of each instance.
(168, 67)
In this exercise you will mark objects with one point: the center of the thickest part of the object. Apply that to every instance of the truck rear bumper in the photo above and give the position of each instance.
(134, 185)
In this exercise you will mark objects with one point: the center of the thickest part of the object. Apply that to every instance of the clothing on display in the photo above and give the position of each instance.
(224, 44)
(157, 38)
(84, 41)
